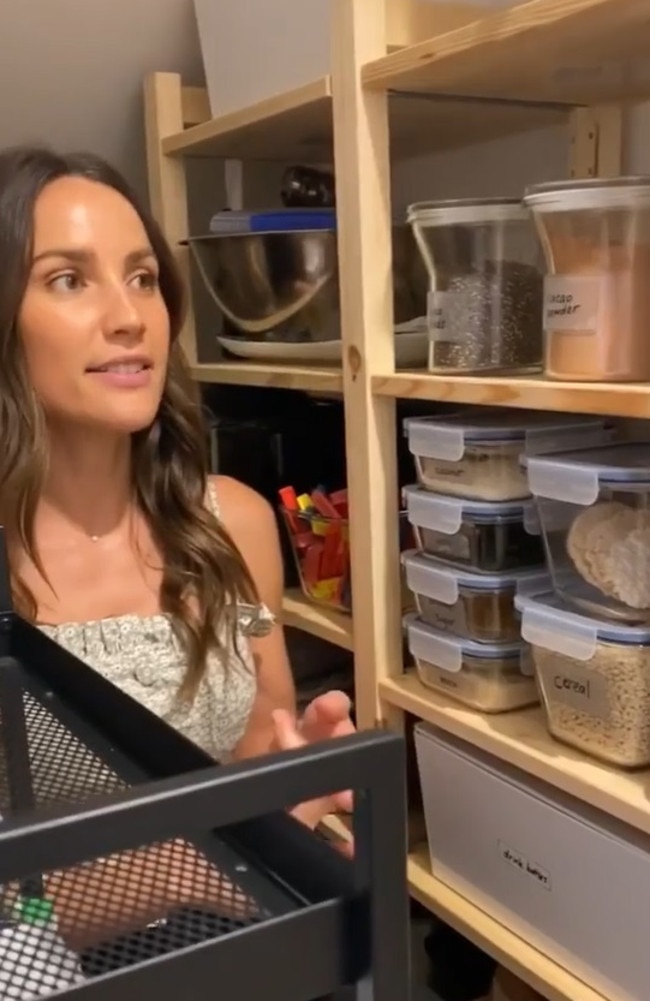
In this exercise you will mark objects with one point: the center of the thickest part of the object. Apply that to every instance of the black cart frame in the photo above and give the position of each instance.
(348, 925)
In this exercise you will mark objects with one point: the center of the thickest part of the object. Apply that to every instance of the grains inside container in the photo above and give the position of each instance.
(486, 291)
(484, 536)
(478, 456)
(490, 677)
(472, 605)
(594, 680)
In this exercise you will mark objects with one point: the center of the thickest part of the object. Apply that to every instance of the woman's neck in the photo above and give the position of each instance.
(88, 486)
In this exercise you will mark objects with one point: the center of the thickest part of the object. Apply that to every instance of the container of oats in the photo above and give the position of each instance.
(596, 240)
(473, 605)
(594, 510)
(593, 677)
(490, 677)
(477, 455)
(485, 536)
(486, 288)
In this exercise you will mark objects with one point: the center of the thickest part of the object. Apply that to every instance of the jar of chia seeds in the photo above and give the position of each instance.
(485, 271)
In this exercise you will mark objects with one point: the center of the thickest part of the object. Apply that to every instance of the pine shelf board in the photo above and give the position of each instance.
(574, 52)
(326, 624)
(246, 373)
(521, 739)
(535, 393)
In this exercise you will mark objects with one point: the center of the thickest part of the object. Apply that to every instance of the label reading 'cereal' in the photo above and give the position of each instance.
(581, 689)
(571, 302)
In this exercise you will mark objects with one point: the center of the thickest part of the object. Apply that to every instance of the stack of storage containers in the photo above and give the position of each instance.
(590, 633)
(479, 546)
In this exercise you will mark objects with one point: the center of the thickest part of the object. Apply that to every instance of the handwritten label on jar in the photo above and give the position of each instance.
(581, 689)
(571, 302)
(439, 327)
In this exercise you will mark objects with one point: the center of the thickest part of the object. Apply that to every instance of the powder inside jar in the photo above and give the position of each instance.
(597, 310)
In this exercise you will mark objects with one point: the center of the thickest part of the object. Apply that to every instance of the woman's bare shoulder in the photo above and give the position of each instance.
(250, 521)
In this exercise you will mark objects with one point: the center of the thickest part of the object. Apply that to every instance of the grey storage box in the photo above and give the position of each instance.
(569, 879)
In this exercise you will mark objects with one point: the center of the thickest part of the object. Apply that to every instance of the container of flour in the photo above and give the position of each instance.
(594, 510)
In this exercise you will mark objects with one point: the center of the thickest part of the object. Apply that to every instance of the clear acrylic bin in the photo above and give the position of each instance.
(474, 606)
(594, 510)
(485, 276)
(489, 537)
(596, 239)
(490, 677)
(594, 680)
(477, 455)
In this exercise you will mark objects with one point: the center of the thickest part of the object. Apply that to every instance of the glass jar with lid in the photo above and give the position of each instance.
(485, 276)
(596, 240)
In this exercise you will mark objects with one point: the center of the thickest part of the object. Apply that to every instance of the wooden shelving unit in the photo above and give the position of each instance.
(477, 76)
(327, 624)
(246, 373)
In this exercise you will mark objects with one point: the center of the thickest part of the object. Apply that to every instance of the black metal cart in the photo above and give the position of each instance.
(183, 880)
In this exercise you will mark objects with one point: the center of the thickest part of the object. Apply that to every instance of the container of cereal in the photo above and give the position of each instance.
(477, 455)
(594, 510)
(486, 288)
(491, 677)
(486, 536)
(596, 240)
(477, 606)
(593, 677)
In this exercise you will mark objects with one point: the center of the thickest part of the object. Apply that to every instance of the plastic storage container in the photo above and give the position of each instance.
(478, 455)
(481, 535)
(491, 677)
(475, 606)
(594, 509)
(594, 680)
(486, 287)
(596, 239)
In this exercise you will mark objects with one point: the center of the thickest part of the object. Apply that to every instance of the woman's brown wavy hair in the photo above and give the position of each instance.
(204, 574)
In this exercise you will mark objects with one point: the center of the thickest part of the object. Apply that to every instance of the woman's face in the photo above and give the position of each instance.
(93, 323)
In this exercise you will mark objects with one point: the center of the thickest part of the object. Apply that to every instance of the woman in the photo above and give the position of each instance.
(165, 580)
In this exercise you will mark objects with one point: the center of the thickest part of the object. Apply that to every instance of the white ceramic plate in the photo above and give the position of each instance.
(410, 350)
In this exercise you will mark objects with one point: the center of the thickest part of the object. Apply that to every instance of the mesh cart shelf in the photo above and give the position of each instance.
(132, 867)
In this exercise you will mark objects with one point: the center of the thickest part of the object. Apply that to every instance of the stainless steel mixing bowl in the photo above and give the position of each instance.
(284, 286)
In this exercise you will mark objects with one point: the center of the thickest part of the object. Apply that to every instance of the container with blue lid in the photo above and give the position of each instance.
(490, 677)
(593, 676)
(488, 536)
(477, 606)
(594, 510)
(477, 456)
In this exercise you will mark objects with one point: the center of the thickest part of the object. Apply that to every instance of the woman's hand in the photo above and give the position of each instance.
(325, 718)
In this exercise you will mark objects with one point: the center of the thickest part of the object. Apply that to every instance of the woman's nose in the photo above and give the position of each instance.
(121, 315)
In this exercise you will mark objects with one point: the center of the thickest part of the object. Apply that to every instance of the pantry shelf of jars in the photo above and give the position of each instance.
(524, 657)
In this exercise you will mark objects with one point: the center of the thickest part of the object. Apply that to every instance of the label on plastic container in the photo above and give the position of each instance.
(571, 302)
(579, 688)
(438, 325)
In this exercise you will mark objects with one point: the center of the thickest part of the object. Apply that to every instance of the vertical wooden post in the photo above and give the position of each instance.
(596, 141)
(365, 263)
(163, 110)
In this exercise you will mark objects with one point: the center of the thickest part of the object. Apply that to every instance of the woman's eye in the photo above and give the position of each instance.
(68, 282)
(146, 280)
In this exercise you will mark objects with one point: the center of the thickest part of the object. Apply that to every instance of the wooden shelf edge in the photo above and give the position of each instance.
(326, 624)
(245, 373)
(522, 739)
(534, 393)
(499, 941)
(190, 140)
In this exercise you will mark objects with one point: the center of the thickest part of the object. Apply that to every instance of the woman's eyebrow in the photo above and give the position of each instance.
(82, 255)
